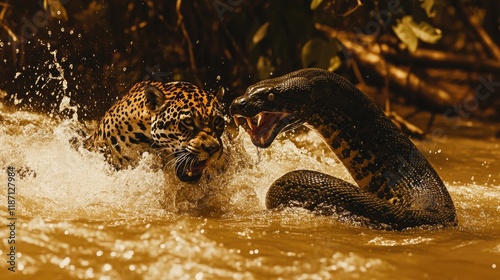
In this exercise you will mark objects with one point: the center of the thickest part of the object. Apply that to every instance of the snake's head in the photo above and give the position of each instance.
(270, 106)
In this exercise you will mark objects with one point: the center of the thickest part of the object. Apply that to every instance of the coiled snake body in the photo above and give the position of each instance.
(396, 186)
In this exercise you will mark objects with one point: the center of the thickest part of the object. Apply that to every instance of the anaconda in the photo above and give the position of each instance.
(396, 187)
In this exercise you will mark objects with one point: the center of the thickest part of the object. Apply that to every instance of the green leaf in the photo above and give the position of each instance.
(406, 34)
(428, 6)
(321, 54)
(423, 30)
(335, 63)
(261, 33)
(315, 4)
(409, 32)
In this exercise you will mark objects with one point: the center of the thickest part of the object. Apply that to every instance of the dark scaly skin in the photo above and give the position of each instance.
(396, 186)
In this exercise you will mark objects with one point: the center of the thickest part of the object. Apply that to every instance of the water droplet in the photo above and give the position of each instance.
(129, 254)
(64, 262)
(107, 267)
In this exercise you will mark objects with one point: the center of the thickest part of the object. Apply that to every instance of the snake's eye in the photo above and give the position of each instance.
(270, 96)
(188, 122)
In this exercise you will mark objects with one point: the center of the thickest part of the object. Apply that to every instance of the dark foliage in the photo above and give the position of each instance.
(102, 47)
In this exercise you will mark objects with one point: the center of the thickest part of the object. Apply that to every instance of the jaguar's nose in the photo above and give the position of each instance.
(211, 148)
(239, 104)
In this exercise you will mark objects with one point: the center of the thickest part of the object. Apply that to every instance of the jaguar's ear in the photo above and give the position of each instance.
(220, 94)
(155, 99)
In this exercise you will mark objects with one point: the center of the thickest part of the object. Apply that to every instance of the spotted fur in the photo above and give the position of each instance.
(167, 119)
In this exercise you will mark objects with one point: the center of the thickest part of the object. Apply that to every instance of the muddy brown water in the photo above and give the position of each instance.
(77, 218)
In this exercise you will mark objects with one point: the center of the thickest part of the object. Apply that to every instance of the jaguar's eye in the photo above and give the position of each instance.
(188, 122)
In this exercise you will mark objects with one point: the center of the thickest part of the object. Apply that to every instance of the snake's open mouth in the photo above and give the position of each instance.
(190, 171)
(263, 127)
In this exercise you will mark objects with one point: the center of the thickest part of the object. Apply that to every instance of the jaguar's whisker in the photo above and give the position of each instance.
(178, 157)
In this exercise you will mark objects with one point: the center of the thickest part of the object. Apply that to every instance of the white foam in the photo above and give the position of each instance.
(59, 181)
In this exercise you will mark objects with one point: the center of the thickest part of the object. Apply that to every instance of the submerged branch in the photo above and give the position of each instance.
(405, 126)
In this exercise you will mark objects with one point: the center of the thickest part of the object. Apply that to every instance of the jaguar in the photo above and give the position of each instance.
(176, 121)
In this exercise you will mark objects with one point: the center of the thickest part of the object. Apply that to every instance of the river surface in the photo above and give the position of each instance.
(77, 218)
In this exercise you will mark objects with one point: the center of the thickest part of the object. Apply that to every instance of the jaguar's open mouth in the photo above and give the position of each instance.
(190, 170)
(263, 127)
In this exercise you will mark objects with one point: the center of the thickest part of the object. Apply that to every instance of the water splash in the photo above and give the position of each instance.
(61, 181)
(81, 218)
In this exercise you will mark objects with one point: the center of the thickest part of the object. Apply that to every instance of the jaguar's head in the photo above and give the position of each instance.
(187, 124)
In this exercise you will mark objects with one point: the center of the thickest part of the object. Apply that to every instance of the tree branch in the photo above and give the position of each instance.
(472, 20)
(439, 59)
(399, 77)
(180, 22)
